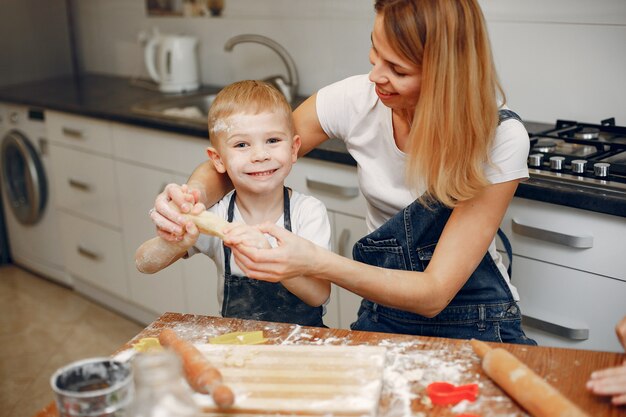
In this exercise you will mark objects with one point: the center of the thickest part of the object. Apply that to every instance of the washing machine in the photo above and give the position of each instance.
(30, 214)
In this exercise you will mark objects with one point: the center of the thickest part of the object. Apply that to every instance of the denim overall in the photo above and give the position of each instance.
(483, 309)
(246, 298)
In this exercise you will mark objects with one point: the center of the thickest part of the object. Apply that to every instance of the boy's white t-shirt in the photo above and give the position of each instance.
(309, 220)
(351, 111)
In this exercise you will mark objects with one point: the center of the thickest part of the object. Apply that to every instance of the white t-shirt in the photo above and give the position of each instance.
(350, 110)
(309, 220)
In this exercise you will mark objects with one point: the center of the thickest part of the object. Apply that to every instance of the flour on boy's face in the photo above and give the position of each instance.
(256, 150)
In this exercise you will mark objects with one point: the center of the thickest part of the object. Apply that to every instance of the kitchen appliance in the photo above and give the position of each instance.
(30, 215)
(172, 63)
(589, 156)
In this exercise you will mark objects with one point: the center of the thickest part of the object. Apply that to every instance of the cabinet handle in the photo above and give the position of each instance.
(556, 329)
(72, 133)
(87, 253)
(583, 242)
(79, 185)
(343, 242)
(332, 188)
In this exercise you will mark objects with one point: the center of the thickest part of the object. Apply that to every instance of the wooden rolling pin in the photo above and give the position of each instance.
(531, 391)
(201, 376)
(209, 223)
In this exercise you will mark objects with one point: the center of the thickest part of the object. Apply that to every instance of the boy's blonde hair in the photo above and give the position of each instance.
(247, 97)
(457, 113)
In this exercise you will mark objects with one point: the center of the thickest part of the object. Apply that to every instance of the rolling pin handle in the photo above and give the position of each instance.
(481, 348)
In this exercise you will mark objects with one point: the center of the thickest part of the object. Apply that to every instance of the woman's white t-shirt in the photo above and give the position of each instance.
(351, 111)
(309, 219)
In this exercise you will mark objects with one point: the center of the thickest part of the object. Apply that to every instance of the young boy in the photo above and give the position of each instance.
(253, 141)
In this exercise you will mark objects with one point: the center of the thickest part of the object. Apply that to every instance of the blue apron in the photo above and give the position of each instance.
(246, 298)
(483, 309)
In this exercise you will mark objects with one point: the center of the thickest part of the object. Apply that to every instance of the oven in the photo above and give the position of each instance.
(567, 226)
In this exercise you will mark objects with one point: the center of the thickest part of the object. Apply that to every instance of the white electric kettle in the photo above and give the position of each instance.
(171, 62)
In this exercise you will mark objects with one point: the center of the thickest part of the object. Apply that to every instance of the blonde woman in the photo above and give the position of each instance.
(439, 159)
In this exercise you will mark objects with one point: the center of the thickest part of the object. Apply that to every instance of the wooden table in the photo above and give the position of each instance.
(413, 362)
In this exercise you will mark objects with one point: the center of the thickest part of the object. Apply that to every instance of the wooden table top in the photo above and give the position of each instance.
(413, 362)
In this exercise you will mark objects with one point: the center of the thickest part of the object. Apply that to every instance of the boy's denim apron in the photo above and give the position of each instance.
(484, 307)
(247, 298)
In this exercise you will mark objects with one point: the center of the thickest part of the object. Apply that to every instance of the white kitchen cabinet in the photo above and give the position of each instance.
(347, 231)
(85, 185)
(86, 196)
(200, 280)
(337, 186)
(93, 253)
(570, 270)
(187, 285)
(84, 133)
(164, 290)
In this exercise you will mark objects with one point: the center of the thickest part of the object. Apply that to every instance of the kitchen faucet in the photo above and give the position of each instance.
(289, 88)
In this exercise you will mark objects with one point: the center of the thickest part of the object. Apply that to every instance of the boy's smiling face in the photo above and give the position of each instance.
(256, 150)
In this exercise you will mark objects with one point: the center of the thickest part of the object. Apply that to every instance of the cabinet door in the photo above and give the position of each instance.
(93, 253)
(347, 231)
(560, 317)
(138, 186)
(200, 278)
(85, 184)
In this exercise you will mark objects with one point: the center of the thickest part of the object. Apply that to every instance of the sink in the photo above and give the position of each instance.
(190, 108)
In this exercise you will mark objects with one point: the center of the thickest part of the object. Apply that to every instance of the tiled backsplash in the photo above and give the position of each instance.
(556, 58)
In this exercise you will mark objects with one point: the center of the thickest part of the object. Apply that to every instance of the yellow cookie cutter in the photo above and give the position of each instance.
(147, 344)
(239, 338)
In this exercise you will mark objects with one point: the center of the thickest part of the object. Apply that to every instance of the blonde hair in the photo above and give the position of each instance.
(247, 97)
(457, 113)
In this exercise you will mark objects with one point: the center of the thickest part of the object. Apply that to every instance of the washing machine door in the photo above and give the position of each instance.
(23, 178)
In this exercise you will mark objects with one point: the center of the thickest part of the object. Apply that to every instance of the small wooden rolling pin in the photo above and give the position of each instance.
(531, 391)
(201, 376)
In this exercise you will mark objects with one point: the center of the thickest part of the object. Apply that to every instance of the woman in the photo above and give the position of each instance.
(431, 105)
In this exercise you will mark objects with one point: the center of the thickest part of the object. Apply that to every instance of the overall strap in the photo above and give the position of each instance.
(509, 250)
(505, 114)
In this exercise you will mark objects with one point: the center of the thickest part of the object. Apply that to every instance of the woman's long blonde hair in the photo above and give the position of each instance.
(457, 113)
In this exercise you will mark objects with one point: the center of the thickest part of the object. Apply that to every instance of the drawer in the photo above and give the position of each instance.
(85, 133)
(165, 151)
(566, 236)
(94, 253)
(85, 184)
(569, 308)
(336, 185)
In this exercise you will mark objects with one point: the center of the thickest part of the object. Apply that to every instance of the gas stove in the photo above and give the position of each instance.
(591, 156)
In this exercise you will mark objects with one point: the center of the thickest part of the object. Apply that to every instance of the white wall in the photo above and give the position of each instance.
(34, 41)
(556, 58)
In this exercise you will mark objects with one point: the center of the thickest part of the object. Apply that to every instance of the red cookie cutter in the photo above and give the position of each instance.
(444, 393)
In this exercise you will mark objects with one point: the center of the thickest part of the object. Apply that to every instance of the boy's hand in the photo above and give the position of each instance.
(243, 234)
(189, 237)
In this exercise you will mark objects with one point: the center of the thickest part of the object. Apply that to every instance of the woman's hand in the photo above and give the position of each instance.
(294, 256)
(241, 234)
(620, 331)
(169, 209)
(610, 382)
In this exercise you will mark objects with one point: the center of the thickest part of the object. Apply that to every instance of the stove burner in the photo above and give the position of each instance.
(590, 155)
(587, 133)
(545, 145)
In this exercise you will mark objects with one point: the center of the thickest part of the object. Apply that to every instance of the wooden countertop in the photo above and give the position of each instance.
(413, 362)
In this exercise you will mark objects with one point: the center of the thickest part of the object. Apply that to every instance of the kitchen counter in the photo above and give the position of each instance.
(111, 98)
(414, 361)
